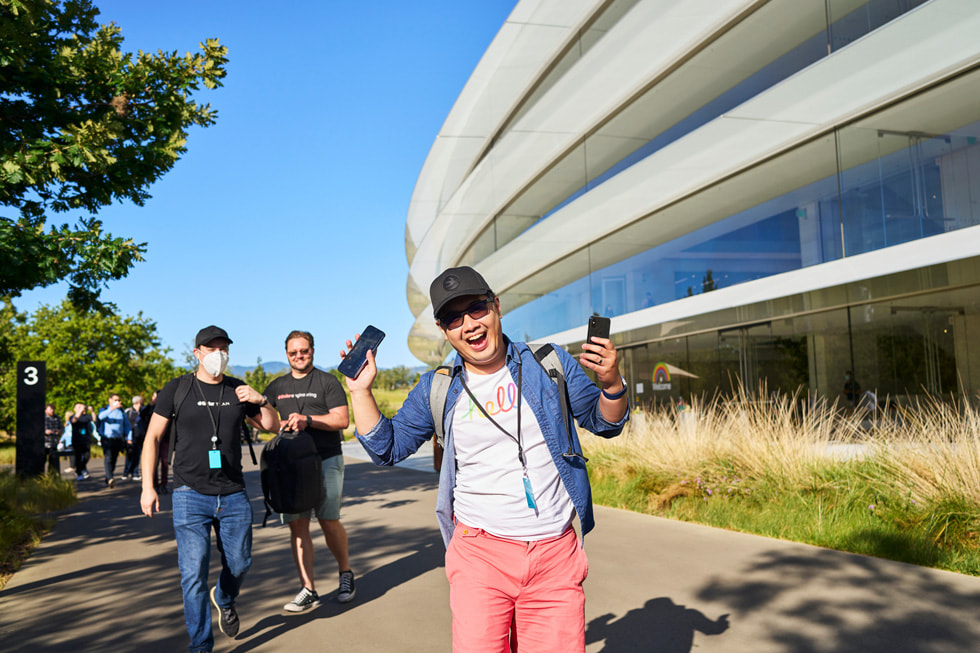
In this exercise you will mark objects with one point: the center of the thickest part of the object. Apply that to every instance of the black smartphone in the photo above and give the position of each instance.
(599, 327)
(356, 358)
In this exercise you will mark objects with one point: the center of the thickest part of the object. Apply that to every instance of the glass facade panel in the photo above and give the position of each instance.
(896, 350)
(894, 186)
(849, 23)
(531, 309)
(658, 372)
(614, 147)
(910, 171)
(897, 195)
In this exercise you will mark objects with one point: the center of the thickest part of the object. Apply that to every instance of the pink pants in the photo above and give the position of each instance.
(527, 592)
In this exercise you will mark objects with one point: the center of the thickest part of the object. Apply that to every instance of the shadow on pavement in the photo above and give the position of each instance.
(660, 626)
(876, 605)
(107, 576)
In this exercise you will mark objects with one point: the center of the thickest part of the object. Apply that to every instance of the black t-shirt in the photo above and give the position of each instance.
(314, 394)
(81, 427)
(195, 428)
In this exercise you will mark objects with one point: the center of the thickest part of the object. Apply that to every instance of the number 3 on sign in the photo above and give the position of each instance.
(30, 375)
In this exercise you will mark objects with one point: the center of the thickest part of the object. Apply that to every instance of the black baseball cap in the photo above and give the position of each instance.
(456, 282)
(209, 333)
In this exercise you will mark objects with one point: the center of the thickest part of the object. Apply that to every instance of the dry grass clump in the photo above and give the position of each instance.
(923, 458)
(777, 439)
(931, 451)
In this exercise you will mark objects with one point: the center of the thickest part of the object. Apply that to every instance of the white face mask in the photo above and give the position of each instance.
(215, 362)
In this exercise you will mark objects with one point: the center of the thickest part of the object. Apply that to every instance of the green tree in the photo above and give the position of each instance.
(258, 378)
(337, 375)
(87, 355)
(82, 125)
(395, 377)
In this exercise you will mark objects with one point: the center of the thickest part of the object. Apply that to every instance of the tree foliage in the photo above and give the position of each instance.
(258, 378)
(394, 378)
(82, 125)
(87, 355)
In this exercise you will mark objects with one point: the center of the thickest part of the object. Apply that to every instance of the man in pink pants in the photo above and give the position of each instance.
(514, 478)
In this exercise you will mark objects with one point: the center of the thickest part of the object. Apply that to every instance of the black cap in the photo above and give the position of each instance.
(209, 333)
(456, 282)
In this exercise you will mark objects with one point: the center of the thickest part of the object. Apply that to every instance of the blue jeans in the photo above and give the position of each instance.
(194, 515)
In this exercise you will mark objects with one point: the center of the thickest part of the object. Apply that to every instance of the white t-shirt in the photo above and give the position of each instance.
(489, 491)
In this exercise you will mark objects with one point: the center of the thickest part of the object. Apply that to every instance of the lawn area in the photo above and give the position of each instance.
(389, 401)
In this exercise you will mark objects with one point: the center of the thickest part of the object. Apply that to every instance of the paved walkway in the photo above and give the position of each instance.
(106, 580)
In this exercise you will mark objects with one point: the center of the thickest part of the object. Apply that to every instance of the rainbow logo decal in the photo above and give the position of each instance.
(661, 374)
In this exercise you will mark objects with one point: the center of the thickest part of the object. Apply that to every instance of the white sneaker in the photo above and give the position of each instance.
(305, 600)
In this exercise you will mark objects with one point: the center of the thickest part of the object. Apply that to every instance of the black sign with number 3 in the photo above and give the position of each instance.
(31, 388)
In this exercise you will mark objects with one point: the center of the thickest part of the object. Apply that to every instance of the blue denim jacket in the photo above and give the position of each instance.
(393, 440)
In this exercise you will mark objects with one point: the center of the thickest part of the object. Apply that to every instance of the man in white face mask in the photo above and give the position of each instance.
(207, 409)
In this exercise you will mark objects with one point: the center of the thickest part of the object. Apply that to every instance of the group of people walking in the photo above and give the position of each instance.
(511, 486)
(115, 429)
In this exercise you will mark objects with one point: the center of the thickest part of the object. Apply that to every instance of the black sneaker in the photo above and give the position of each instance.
(227, 617)
(347, 589)
(305, 600)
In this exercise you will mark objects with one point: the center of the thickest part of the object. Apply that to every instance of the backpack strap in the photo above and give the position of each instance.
(438, 392)
(548, 358)
(183, 389)
(247, 436)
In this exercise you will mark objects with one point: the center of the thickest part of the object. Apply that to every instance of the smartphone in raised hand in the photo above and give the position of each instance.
(599, 327)
(356, 358)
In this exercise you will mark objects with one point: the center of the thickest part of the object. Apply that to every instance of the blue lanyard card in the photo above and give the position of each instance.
(214, 459)
(528, 494)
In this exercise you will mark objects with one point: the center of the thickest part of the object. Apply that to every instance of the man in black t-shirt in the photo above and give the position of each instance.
(311, 400)
(209, 487)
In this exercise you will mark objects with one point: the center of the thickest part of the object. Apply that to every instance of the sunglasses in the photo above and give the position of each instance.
(476, 310)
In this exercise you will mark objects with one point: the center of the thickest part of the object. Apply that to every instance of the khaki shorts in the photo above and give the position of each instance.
(333, 493)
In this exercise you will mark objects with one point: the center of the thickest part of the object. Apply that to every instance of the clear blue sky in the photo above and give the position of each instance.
(289, 212)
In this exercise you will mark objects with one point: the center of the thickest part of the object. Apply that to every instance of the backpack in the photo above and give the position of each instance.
(546, 356)
(183, 389)
(291, 473)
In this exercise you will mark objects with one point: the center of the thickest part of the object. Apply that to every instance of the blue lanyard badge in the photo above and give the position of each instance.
(528, 494)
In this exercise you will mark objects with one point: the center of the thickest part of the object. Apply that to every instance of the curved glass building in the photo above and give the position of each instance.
(767, 192)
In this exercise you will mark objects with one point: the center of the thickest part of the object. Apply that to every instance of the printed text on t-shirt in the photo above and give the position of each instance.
(504, 401)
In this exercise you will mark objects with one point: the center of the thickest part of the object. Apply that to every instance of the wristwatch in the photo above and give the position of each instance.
(615, 395)
(309, 421)
(265, 400)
